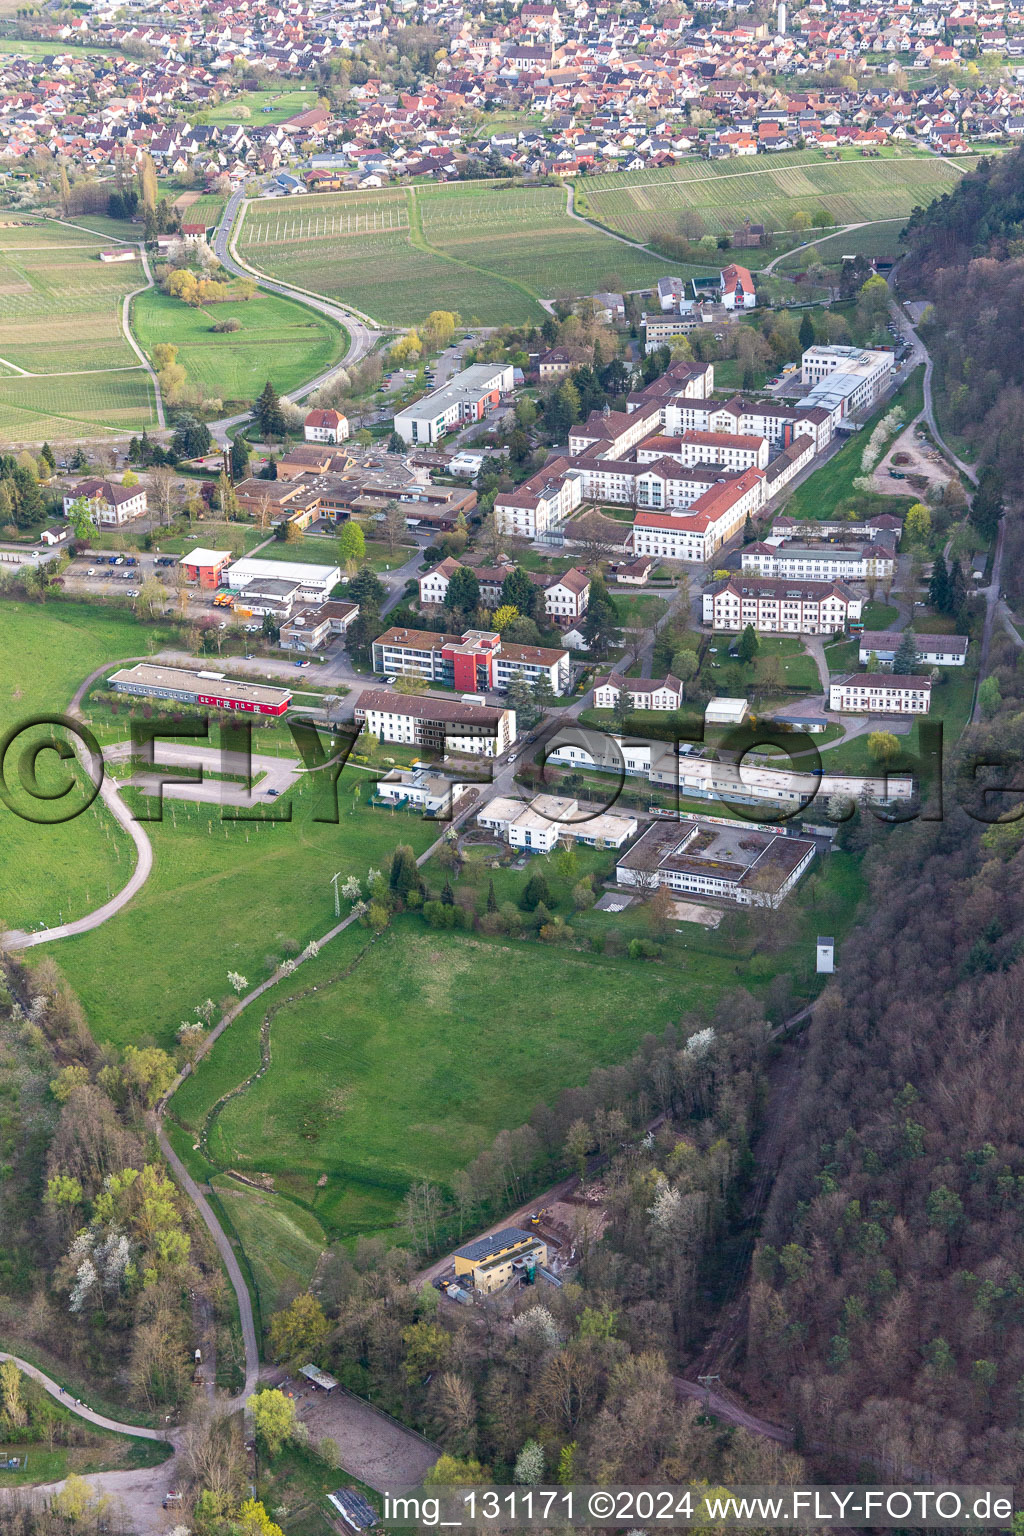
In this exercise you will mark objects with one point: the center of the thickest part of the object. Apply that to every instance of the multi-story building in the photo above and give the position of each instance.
(550, 819)
(442, 725)
(110, 505)
(467, 397)
(846, 378)
(821, 562)
(729, 449)
(881, 693)
(693, 777)
(540, 503)
(713, 519)
(476, 662)
(644, 692)
(325, 427)
(780, 607)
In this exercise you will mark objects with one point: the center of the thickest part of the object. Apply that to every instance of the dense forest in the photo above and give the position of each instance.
(966, 254)
(887, 1304)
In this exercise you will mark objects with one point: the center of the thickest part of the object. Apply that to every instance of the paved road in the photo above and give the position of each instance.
(267, 773)
(227, 1253)
(362, 331)
(140, 1431)
(126, 327)
(111, 797)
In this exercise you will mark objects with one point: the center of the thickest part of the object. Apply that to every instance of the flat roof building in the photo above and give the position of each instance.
(467, 397)
(211, 688)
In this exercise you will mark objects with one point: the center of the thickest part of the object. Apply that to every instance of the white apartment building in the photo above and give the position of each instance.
(712, 520)
(325, 427)
(847, 379)
(467, 397)
(550, 819)
(542, 502)
(644, 692)
(110, 505)
(881, 693)
(780, 607)
(729, 449)
(610, 434)
(443, 725)
(694, 777)
(826, 562)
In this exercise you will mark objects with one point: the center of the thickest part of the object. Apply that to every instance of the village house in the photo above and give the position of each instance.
(881, 693)
(325, 427)
(110, 505)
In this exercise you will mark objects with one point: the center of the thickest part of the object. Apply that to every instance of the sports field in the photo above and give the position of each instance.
(278, 339)
(487, 250)
(711, 196)
(67, 366)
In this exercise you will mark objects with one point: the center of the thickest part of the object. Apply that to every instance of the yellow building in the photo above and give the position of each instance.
(492, 1261)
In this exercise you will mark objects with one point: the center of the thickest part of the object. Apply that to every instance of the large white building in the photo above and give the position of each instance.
(713, 519)
(780, 607)
(467, 397)
(846, 379)
(685, 772)
(442, 725)
(824, 562)
(728, 862)
(644, 692)
(881, 693)
(550, 819)
(110, 505)
(313, 582)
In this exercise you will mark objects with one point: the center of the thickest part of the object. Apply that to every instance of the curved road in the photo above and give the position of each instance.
(111, 796)
(130, 339)
(48, 1384)
(362, 331)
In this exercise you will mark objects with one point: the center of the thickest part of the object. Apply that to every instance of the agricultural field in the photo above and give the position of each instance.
(278, 339)
(880, 239)
(56, 873)
(68, 368)
(708, 197)
(525, 236)
(492, 252)
(361, 249)
(206, 209)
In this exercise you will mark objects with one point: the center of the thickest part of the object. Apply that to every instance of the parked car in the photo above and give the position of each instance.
(302, 663)
(91, 571)
(117, 560)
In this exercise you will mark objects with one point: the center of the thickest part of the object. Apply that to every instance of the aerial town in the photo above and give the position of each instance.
(511, 841)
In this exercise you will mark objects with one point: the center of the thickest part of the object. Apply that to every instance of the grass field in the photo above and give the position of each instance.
(60, 321)
(524, 235)
(282, 1240)
(232, 896)
(272, 105)
(488, 250)
(332, 1103)
(821, 492)
(881, 239)
(278, 339)
(715, 196)
(49, 874)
